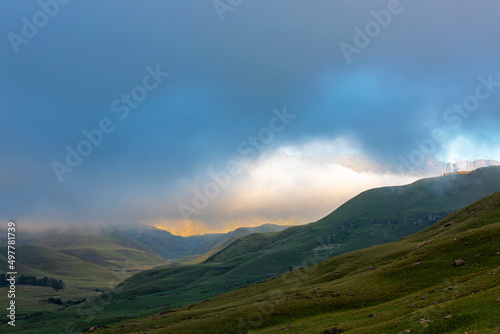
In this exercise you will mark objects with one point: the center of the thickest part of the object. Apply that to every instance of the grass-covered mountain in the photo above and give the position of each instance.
(171, 246)
(445, 278)
(377, 216)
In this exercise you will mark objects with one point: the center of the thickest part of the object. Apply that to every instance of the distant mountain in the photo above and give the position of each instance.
(431, 167)
(171, 246)
(46, 262)
(103, 246)
(161, 242)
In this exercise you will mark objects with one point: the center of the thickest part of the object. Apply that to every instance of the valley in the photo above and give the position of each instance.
(411, 285)
(250, 167)
(338, 249)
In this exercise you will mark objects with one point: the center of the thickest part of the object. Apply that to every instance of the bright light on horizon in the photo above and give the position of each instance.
(188, 228)
(281, 189)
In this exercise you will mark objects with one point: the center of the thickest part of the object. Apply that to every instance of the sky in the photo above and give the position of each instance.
(204, 116)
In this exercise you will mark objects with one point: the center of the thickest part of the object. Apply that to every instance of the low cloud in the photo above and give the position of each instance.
(279, 188)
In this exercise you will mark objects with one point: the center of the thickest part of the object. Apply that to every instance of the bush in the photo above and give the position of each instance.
(55, 301)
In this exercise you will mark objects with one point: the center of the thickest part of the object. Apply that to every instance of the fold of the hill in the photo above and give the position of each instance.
(444, 279)
(376, 216)
(173, 247)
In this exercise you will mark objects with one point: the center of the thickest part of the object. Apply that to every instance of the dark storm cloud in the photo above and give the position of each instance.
(225, 79)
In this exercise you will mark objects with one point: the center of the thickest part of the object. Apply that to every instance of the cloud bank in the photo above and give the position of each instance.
(225, 79)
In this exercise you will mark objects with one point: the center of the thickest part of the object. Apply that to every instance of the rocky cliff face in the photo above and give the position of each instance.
(470, 165)
(432, 166)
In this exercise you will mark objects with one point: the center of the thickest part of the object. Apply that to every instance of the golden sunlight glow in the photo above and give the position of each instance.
(187, 228)
(184, 228)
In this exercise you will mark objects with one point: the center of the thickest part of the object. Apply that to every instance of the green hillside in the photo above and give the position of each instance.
(106, 247)
(222, 238)
(40, 262)
(374, 217)
(81, 279)
(90, 261)
(411, 285)
(259, 256)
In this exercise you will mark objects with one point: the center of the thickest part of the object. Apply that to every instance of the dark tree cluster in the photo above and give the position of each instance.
(32, 280)
(3, 280)
(58, 301)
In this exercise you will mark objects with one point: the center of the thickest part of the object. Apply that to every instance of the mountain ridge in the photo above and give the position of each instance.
(377, 216)
(368, 219)
(441, 279)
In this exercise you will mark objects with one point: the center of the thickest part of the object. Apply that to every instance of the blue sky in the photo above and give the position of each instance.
(225, 78)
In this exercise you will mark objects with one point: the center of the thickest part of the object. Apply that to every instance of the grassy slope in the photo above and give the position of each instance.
(81, 279)
(197, 259)
(222, 239)
(404, 284)
(368, 219)
(40, 262)
(373, 217)
(85, 259)
(176, 285)
(105, 247)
